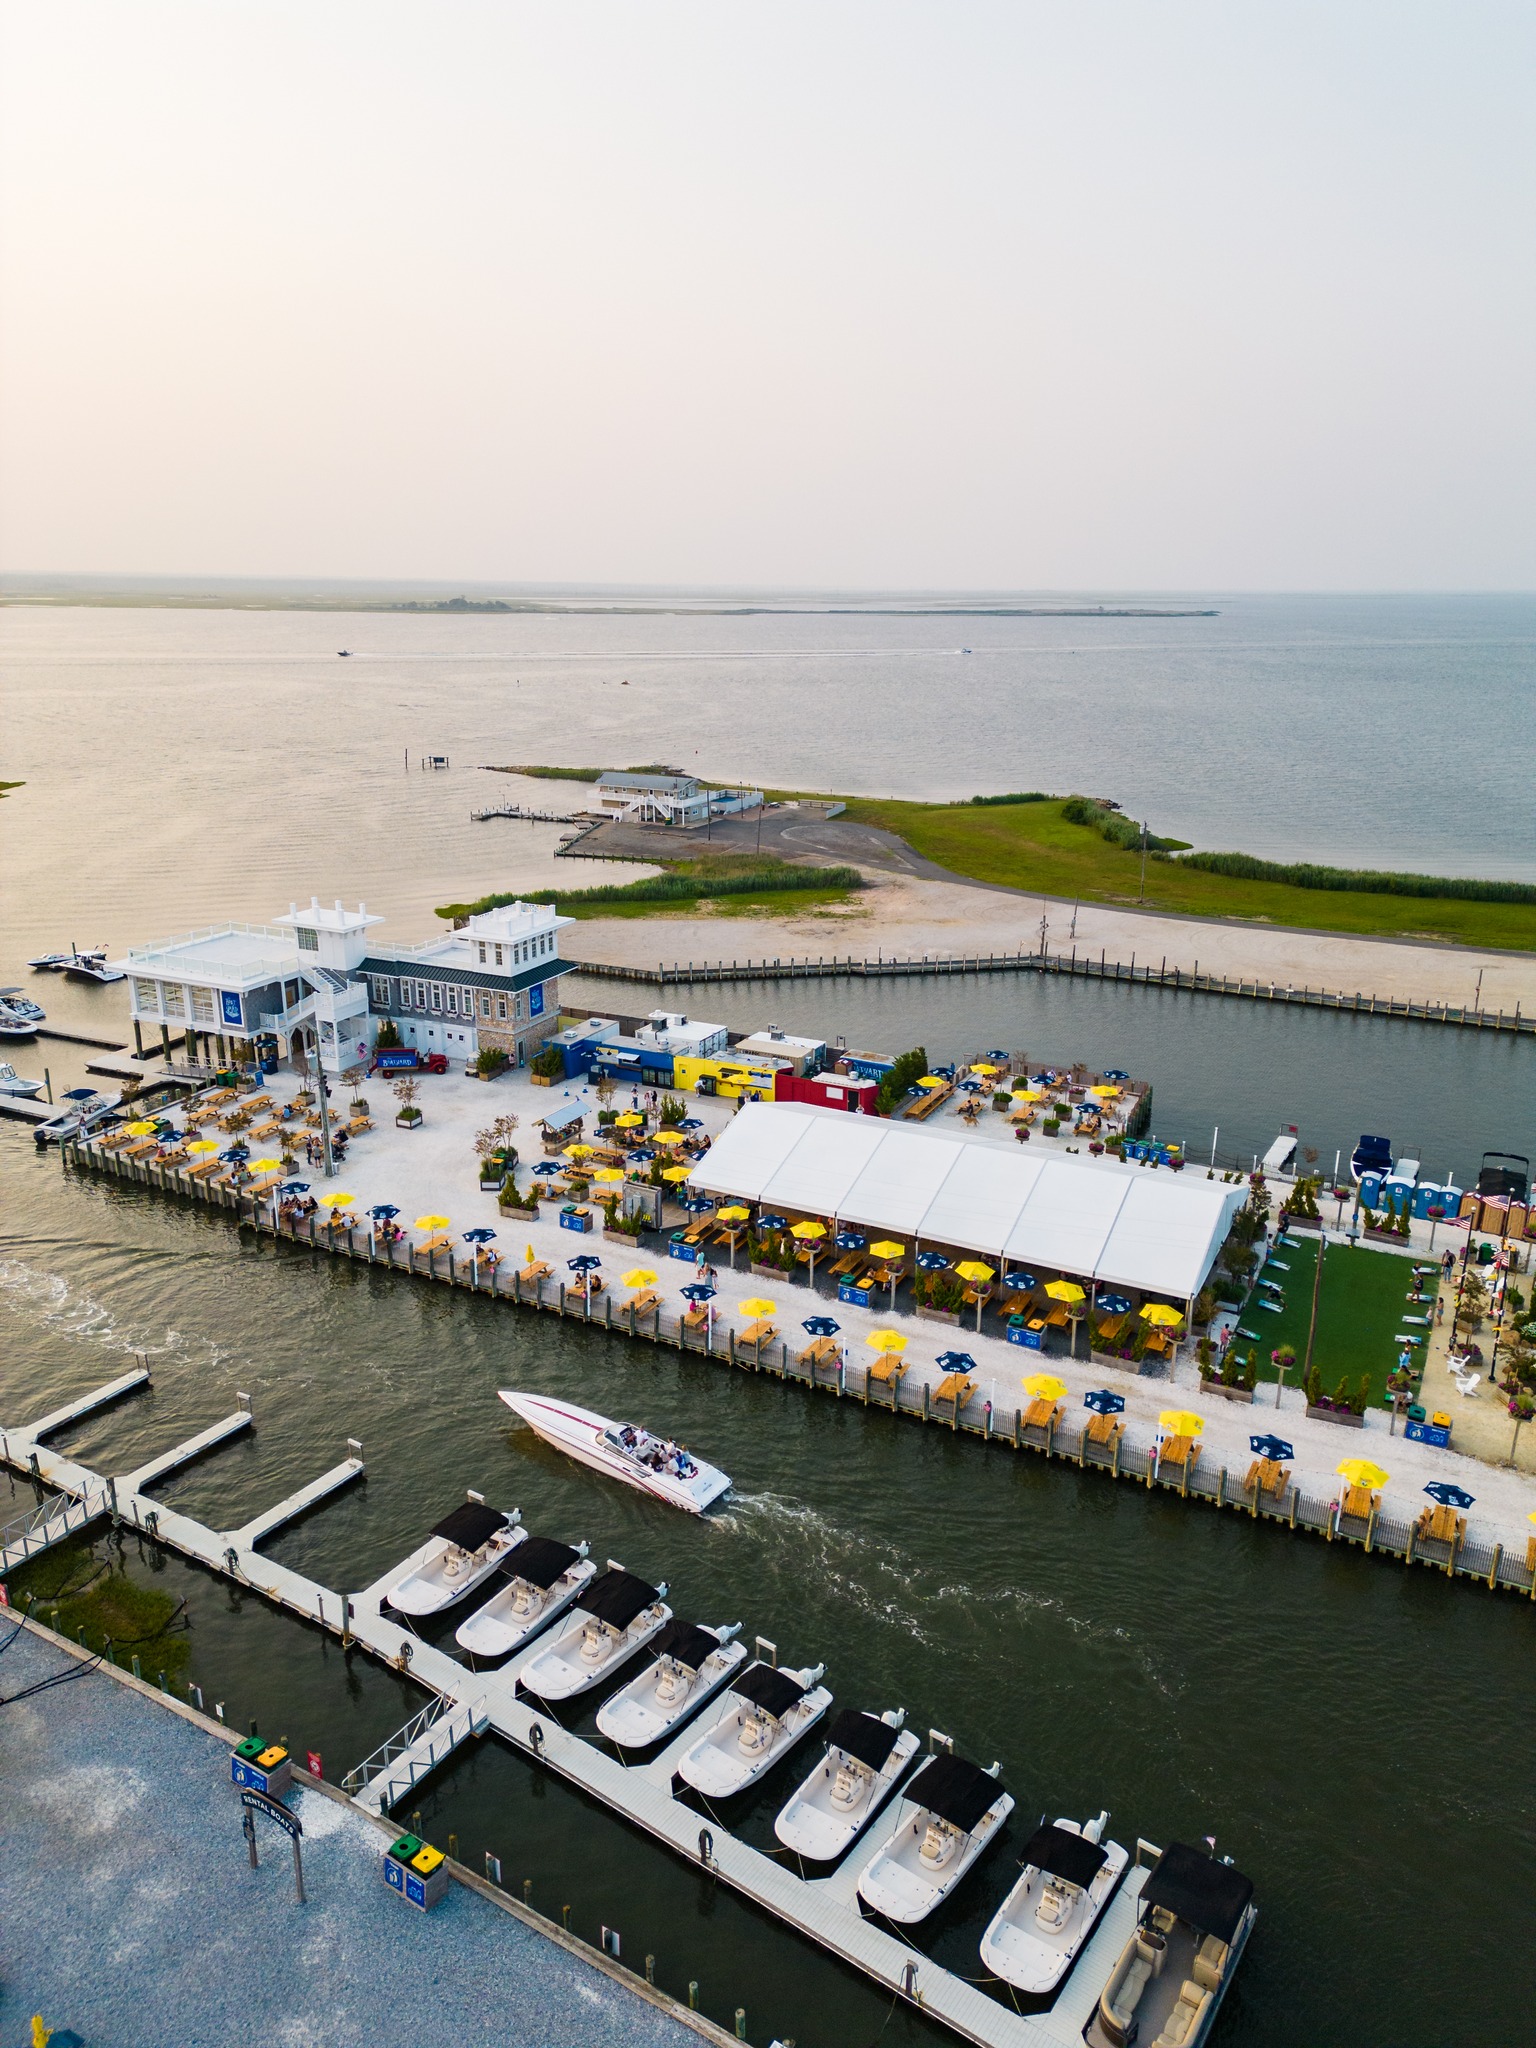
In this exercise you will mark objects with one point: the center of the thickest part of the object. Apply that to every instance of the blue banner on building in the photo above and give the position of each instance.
(231, 1002)
(536, 1000)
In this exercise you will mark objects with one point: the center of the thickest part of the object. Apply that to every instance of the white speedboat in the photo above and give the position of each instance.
(866, 1757)
(53, 963)
(617, 1615)
(460, 1554)
(623, 1450)
(13, 1025)
(94, 966)
(761, 1718)
(949, 1813)
(1037, 1933)
(12, 1083)
(23, 1006)
(84, 1115)
(540, 1580)
(692, 1664)
(1195, 1914)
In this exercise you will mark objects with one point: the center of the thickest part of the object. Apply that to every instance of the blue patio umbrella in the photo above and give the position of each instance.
(1116, 1074)
(1448, 1496)
(643, 1152)
(1020, 1278)
(932, 1262)
(297, 1187)
(698, 1292)
(1103, 1402)
(384, 1212)
(583, 1263)
(690, 1123)
(697, 1204)
(956, 1361)
(235, 1154)
(850, 1241)
(1114, 1304)
(1273, 1447)
(773, 1222)
(479, 1236)
(997, 1053)
(821, 1326)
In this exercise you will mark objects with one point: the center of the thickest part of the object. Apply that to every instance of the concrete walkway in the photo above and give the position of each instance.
(132, 1915)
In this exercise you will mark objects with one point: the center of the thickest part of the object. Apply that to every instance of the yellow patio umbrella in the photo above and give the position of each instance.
(676, 1172)
(1068, 1290)
(733, 1213)
(981, 1067)
(666, 1137)
(808, 1232)
(1180, 1422)
(142, 1129)
(930, 1081)
(1029, 1095)
(203, 1145)
(609, 1173)
(974, 1271)
(887, 1248)
(1160, 1315)
(886, 1340)
(267, 1166)
(422, 1222)
(631, 1120)
(1045, 1386)
(641, 1276)
(756, 1306)
(1362, 1472)
(1104, 1088)
(578, 1151)
(336, 1200)
(529, 1260)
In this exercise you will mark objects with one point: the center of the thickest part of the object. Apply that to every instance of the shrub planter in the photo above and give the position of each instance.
(1300, 1223)
(1386, 1236)
(769, 1272)
(939, 1315)
(623, 1237)
(1339, 1415)
(1228, 1393)
(520, 1215)
(408, 1119)
(541, 1080)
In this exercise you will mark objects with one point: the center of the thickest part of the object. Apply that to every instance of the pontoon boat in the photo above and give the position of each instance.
(1070, 1874)
(460, 1554)
(692, 1666)
(866, 1757)
(617, 1615)
(1196, 1915)
(539, 1580)
(761, 1718)
(952, 1811)
(623, 1450)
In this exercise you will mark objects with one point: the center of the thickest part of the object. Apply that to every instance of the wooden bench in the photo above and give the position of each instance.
(1268, 1475)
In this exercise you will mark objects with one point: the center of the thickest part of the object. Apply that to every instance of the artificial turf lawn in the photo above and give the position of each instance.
(1033, 847)
(1360, 1311)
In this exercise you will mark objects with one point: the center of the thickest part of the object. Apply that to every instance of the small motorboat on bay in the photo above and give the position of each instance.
(12, 1083)
(540, 1580)
(1195, 1915)
(21, 1005)
(653, 1464)
(94, 966)
(761, 1718)
(866, 1757)
(14, 1023)
(952, 1811)
(617, 1615)
(51, 963)
(1038, 1932)
(461, 1553)
(692, 1664)
(83, 1113)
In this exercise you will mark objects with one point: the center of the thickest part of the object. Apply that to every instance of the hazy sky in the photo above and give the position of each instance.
(966, 295)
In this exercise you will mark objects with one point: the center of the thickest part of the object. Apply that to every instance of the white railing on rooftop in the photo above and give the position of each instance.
(163, 952)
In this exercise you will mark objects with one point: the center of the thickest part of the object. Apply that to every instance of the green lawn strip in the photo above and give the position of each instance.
(780, 903)
(91, 1592)
(757, 883)
(1031, 846)
(1361, 1309)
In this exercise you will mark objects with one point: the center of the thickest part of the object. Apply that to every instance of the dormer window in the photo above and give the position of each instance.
(309, 939)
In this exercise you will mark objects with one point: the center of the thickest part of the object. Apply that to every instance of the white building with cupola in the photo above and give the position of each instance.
(320, 980)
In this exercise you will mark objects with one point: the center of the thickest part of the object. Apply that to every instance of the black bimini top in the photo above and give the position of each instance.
(539, 1561)
(864, 1736)
(774, 1691)
(956, 1791)
(686, 1644)
(617, 1597)
(470, 1525)
(1060, 1853)
(1209, 1895)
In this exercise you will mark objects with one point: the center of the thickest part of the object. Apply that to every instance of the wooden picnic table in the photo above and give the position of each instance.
(1041, 1413)
(845, 1264)
(1180, 1450)
(539, 1270)
(824, 1351)
(643, 1303)
(1268, 1475)
(758, 1332)
(888, 1368)
(1113, 1328)
(1442, 1525)
(1056, 1316)
(174, 1157)
(202, 1168)
(139, 1147)
(1360, 1502)
(354, 1127)
(1103, 1429)
(265, 1130)
(215, 1097)
(441, 1242)
(957, 1387)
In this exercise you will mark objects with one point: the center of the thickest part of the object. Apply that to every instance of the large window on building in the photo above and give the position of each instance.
(174, 996)
(381, 990)
(309, 941)
(421, 995)
(437, 995)
(204, 1008)
(146, 997)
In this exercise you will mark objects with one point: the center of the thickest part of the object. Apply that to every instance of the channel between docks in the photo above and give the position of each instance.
(1493, 1565)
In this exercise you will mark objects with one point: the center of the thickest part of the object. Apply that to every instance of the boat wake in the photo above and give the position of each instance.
(47, 1303)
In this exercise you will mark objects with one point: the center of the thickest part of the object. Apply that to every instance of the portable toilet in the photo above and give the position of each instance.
(1429, 1195)
(1370, 1190)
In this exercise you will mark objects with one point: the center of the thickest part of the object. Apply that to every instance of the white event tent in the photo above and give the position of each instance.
(1123, 1226)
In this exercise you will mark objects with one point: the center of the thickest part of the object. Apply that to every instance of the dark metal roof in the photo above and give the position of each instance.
(471, 1525)
(774, 1691)
(686, 1644)
(955, 1790)
(864, 1736)
(539, 1561)
(1208, 1894)
(1061, 1853)
(468, 977)
(617, 1597)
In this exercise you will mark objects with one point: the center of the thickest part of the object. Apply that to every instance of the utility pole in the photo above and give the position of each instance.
(1143, 896)
(1317, 1289)
(325, 1116)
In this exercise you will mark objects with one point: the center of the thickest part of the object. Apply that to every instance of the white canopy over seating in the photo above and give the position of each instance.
(1157, 1232)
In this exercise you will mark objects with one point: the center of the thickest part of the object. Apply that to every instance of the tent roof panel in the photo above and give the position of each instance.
(1068, 1216)
(824, 1162)
(980, 1198)
(1168, 1233)
(750, 1150)
(897, 1187)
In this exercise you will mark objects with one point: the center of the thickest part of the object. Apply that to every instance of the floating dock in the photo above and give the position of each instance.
(468, 1704)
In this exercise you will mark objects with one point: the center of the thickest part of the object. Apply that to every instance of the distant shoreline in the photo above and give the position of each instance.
(495, 607)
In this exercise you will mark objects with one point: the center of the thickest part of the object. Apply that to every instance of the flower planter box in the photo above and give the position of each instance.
(541, 1080)
(1339, 1415)
(938, 1315)
(621, 1237)
(1386, 1236)
(520, 1215)
(770, 1273)
(1228, 1393)
(408, 1119)
(1301, 1223)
